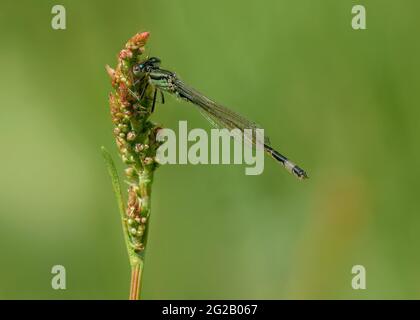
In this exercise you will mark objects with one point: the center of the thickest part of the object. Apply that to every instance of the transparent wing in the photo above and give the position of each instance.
(219, 116)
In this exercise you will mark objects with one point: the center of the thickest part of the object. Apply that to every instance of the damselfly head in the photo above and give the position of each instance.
(137, 69)
(153, 61)
(146, 66)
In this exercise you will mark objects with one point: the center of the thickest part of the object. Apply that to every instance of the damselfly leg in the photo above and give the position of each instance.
(154, 100)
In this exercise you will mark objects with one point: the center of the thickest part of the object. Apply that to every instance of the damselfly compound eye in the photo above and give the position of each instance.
(137, 69)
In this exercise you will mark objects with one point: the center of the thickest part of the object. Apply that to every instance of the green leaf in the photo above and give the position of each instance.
(112, 170)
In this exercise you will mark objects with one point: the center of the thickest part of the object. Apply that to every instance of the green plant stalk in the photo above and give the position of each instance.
(136, 140)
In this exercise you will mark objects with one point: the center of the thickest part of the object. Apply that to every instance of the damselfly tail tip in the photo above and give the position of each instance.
(289, 165)
(299, 173)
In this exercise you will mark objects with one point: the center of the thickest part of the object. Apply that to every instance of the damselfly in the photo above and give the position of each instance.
(166, 81)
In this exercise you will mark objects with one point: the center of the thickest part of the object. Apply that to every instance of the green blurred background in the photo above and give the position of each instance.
(342, 103)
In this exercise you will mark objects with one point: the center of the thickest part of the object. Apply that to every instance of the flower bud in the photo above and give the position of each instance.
(138, 148)
(129, 172)
(148, 160)
(131, 136)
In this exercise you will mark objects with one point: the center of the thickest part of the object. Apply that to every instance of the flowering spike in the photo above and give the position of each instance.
(132, 131)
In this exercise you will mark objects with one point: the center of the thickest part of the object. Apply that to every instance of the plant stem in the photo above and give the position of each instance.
(136, 277)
